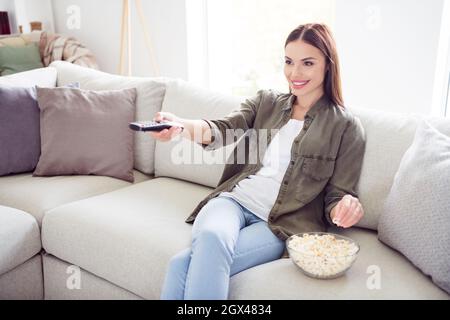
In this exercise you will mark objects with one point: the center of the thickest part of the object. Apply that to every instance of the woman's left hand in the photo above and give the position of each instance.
(347, 212)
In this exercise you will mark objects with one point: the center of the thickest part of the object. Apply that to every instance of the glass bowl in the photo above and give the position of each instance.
(322, 255)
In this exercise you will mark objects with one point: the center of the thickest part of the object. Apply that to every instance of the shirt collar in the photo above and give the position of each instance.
(322, 102)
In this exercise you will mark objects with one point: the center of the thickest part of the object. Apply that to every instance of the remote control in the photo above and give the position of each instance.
(153, 125)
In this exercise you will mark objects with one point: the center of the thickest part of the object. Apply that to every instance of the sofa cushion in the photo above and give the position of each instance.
(86, 132)
(126, 236)
(44, 77)
(36, 195)
(91, 286)
(388, 136)
(12, 41)
(18, 59)
(398, 278)
(19, 238)
(150, 93)
(416, 216)
(20, 144)
(181, 158)
(142, 227)
(20, 138)
(24, 282)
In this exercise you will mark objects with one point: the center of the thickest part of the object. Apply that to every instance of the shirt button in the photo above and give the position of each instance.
(292, 162)
(271, 218)
(285, 182)
(279, 201)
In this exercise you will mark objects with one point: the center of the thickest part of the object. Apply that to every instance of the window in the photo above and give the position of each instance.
(441, 86)
(245, 41)
(447, 100)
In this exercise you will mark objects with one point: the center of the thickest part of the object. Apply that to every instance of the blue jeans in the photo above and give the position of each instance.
(226, 239)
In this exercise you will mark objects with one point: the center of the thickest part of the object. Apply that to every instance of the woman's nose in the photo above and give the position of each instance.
(297, 72)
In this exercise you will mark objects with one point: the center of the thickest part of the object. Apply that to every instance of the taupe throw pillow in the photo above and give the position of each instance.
(86, 132)
(416, 215)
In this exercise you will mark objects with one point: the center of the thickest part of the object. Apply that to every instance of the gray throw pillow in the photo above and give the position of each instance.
(19, 130)
(20, 143)
(416, 214)
(86, 132)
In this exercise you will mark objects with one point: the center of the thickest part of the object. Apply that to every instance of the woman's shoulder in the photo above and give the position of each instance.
(351, 122)
(342, 113)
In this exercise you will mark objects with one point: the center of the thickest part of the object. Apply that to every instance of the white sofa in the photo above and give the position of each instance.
(93, 237)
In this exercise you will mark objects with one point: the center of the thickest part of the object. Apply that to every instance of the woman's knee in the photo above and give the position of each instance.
(214, 238)
(180, 261)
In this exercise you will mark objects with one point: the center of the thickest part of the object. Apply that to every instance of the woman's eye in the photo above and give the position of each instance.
(288, 62)
(309, 63)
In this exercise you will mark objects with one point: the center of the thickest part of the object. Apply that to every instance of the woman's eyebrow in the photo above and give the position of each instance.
(308, 58)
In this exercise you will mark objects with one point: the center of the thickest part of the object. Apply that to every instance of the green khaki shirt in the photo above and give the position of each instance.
(326, 159)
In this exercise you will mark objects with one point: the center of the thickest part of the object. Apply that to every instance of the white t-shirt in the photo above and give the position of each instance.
(259, 191)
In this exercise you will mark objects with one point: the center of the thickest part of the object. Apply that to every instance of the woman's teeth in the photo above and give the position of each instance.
(299, 85)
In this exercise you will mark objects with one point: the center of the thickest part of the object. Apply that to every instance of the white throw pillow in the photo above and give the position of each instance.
(150, 94)
(181, 158)
(416, 215)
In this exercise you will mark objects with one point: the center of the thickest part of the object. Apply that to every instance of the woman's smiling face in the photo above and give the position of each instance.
(304, 69)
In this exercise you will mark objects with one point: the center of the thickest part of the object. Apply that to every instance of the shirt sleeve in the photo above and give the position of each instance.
(347, 169)
(240, 118)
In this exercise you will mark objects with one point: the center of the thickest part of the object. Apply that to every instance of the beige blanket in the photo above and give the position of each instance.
(58, 47)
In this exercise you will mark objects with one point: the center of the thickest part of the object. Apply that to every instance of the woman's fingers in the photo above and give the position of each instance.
(163, 116)
(349, 215)
(166, 134)
(353, 216)
(344, 206)
(173, 131)
(158, 117)
(348, 211)
(337, 213)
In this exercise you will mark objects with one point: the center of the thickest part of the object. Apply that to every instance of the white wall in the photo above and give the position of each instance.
(100, 32)
(388, 49)
(21, 12)
(388, 52)
(34, 10)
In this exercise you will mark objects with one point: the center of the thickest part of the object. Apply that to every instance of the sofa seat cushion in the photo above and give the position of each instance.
(19, 238)
(398, 278)
(126, 236)
(36, 195)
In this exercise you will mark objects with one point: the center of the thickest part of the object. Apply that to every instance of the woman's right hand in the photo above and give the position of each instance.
(166, 134)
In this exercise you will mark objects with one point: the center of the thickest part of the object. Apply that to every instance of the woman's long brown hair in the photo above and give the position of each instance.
(319, 36)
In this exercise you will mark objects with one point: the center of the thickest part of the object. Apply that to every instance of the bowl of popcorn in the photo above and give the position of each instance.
(322, 255)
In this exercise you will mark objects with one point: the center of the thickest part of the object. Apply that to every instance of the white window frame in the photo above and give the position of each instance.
(441, 89)
(205, 33)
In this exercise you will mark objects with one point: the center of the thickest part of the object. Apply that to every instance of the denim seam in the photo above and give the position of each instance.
(255, 249)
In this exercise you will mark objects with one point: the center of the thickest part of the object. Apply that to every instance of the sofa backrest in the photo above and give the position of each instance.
(43, 77)
(388, 136)
(150, 96)
(181, 158)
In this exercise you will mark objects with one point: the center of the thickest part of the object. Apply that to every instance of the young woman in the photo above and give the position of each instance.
(305, 181)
